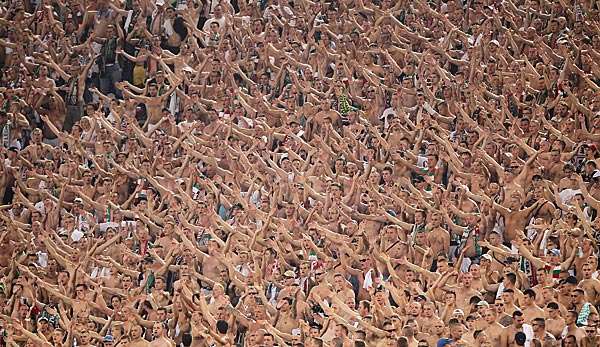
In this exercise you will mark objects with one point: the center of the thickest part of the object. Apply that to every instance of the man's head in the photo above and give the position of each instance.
(529, 297)
(81, 291)
(538, 324)
(456, 329)
(518, 319)
(341, 331)
(490, 316)
(577, 296)
(157, 329)
(135, 332)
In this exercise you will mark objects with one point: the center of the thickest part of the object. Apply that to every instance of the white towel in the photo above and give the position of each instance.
(528, 331)
(128, 20)
(368, 282)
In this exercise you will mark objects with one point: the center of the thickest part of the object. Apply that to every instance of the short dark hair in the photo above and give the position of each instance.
(453, 322)
(222, 326)
(541, 321)
(511, 277)
(530, 293)
(344, 328)
(402, 341)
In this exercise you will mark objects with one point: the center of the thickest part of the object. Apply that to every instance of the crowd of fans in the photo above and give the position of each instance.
(299, 173)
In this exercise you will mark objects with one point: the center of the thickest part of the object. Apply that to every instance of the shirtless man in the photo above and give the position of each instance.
(438, 237)
(555, 323)
(518, 325)
(494, 330)
(465, 291)
(53, 107)
(571, 327)
(210, 264)
(286, 319)
(159, 338)
(590, 285)
(530, 309)
(154, 102)
(136, 339)
(544, 280)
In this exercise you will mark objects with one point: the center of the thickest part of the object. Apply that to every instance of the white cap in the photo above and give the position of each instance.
(596, 174)
(76, 235)
(388, 112)
(160, 2)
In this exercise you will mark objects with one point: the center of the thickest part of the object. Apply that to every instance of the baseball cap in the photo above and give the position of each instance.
(421, 298)
(419, 179)
(487, 257)
(458, 311)
(289, 274)
(555, 252)
(108, 338)
(443, 342)
(77, 235)
(596, 174)
(571, 280)
(483, 303)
